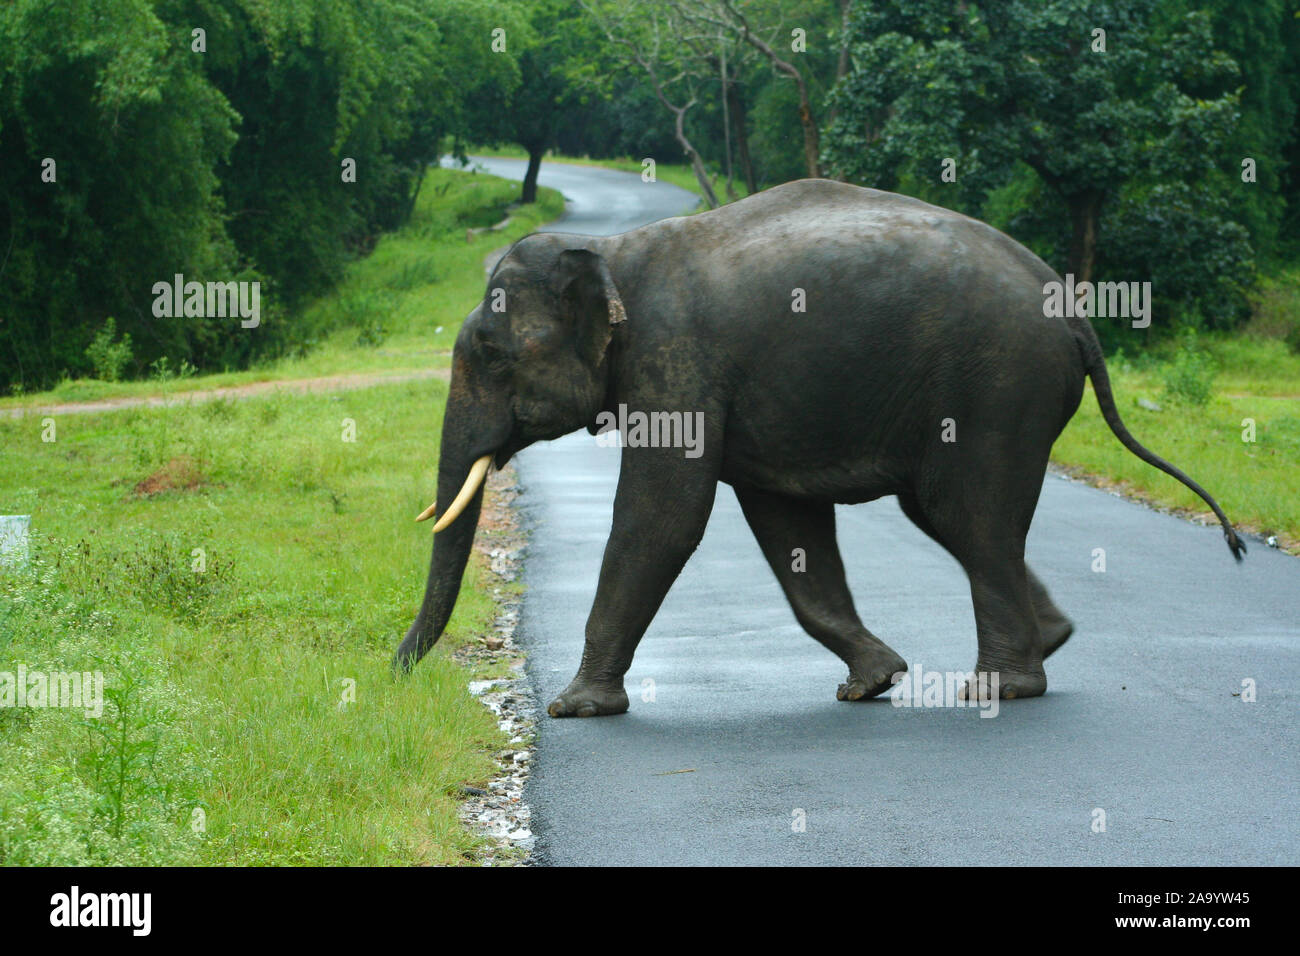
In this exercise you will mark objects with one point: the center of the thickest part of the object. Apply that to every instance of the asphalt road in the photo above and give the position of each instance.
(598, 202)
(735, 750)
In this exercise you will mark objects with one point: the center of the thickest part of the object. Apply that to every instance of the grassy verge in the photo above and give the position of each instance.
(1252, 380)
(678, 174)
(386, 314)
(240, 572)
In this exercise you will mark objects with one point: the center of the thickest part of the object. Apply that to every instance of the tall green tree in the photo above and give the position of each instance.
(262, 140)
(110, 137)
(544, 103)
(1104, 104)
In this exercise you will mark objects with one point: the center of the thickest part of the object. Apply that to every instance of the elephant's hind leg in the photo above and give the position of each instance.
(815, 586)
(987, 535)
(1010, 645)
(1054, 627)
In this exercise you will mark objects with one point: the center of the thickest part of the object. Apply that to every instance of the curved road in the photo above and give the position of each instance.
(735, 750)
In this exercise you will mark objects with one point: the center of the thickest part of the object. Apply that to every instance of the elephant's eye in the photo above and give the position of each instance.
(485, 344)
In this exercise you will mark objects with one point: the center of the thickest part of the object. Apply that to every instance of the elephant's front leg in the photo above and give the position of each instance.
(660, 512)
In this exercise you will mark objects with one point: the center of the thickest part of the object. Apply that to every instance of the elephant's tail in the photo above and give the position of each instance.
(1095, 364)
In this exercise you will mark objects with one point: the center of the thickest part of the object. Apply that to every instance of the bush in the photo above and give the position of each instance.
(1182, 239)
(1292, 339)
(79, 789)
(161, 370)
(109, 358)
(1189, 378)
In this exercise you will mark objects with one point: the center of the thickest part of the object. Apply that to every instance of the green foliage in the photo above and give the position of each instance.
(135, 133)
(1189, 378)
(1263, 37)
(1276, 305)
(109, 355)
(223, 685)
(1105, 161)
(84, 789)
(161, 369)
(778, 148)
(225, 164)
(1184, 241)
(1293, 339)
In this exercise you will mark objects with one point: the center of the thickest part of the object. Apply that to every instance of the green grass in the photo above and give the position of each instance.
(226, 738)
(384, 314)
(1257, 484)
(312, 571)
(678, 174)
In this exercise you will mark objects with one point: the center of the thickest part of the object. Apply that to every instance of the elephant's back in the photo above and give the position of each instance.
(860, 318)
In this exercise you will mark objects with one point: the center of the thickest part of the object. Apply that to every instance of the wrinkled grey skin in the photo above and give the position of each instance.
(914, 315)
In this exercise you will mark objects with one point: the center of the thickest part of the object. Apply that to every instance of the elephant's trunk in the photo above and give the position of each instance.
(461, 468)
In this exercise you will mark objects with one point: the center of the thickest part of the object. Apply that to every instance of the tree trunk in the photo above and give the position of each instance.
(1085, 210)
(726, 126)
(842, 65)
(418, 176)
(811, 141)
(697, 164)
(529, 194)
(742, 138)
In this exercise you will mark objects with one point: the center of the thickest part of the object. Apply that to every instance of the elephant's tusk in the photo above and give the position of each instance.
(475, 478)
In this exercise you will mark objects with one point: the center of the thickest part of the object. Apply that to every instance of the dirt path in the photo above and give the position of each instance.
(328, 383)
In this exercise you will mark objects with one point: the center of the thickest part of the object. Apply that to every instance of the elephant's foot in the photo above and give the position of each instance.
(582, 699)
(871, 675)
(1055, 634)
(1010, 684)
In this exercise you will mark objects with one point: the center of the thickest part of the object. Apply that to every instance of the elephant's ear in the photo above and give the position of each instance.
(587, 289)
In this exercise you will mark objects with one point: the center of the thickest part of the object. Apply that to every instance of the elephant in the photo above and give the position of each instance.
(836, 344)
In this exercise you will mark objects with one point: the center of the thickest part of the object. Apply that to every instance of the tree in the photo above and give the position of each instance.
(1094, 98)
(224, 140)
(542, 106)
(109, 140)
(807, 121)
(642, 37)
(1263, 37)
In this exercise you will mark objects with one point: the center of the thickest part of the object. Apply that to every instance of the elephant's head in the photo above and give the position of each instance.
(530, 364)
